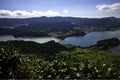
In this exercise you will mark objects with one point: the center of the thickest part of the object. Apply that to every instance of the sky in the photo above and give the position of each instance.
(65, 8)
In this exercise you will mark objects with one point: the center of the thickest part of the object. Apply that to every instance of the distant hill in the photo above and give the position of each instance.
(43, 26)
(14, 21)
(82, 21)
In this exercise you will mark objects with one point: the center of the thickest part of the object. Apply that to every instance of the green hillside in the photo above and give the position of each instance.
(30, 60)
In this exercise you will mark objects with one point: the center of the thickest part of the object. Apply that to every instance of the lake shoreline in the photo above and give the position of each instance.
(86, 40)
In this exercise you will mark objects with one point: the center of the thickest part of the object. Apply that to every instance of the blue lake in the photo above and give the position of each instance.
(91, 38)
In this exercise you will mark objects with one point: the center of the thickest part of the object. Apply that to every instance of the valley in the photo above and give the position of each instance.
(60, 48)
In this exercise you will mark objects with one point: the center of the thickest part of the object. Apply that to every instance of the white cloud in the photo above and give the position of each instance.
(5, 13)
(66, 11)
(115, 7)
(26, 14)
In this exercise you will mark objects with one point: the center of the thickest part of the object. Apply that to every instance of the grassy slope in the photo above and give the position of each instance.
(92, 54)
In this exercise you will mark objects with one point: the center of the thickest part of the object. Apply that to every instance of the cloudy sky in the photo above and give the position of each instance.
(72, 8)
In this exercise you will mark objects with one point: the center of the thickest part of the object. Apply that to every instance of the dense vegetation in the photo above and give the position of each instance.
(30, 60)
(108, 43)
(56, 26)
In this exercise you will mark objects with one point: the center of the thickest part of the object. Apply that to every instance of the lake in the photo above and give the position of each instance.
(35, 39)
(83, 41)
(91, 38)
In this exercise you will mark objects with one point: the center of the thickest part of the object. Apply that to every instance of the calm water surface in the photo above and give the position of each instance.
(91, 38)
(83, 41)
(35, 39)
